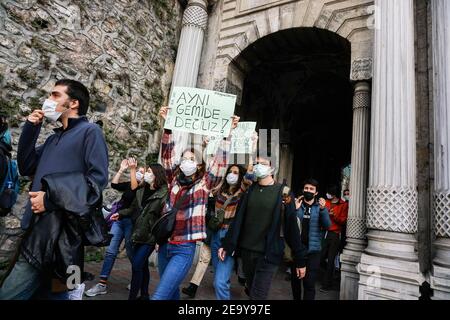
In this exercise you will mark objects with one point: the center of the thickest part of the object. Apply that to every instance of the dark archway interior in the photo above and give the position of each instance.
(298, 81)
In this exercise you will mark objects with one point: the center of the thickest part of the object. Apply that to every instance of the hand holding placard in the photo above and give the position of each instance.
(163, 112)
(235, 121)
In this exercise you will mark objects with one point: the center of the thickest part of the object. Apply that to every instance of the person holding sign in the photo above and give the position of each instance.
(226, 200)
(190, 182)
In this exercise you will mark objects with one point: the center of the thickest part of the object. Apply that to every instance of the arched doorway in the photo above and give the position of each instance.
(298, 80)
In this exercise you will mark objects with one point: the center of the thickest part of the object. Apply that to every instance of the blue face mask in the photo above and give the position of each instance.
(6, 137)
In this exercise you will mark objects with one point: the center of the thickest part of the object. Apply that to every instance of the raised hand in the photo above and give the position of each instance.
(235, 121)
(322, 203)
(163, 112)
(132, 163)
(123, 165)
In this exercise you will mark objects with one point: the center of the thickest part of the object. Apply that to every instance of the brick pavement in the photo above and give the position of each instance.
(121, 276)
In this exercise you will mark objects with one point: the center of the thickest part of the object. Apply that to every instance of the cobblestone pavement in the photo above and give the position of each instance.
(121, 276)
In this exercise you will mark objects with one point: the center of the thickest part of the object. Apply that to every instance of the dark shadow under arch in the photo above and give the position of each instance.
(298, 80)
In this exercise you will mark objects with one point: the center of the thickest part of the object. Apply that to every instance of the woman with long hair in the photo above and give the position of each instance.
(145, 210)
(121, 229)
(190, 181)
(227, 199)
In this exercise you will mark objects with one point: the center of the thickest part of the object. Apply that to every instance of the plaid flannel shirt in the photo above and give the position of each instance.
(190, 219)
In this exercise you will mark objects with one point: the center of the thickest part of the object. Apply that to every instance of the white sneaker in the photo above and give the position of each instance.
(96, 290)
(129, 286)
(77, 293)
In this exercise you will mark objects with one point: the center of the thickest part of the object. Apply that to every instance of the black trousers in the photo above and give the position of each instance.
(330, 251)
(309, 281)
(258, 274)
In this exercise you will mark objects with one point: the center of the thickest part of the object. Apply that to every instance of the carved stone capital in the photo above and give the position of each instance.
(196, 14)
(362, 69)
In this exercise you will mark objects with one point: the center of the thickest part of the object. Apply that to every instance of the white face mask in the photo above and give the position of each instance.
(49, 108)
(139, 176)
(188, 167)
(232, 178)
(149, 177)
(329, 196)
(262, 171)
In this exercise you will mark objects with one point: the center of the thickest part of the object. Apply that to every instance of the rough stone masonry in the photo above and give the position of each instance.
(124, 52)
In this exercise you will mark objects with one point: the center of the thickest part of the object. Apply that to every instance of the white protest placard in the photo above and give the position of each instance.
(200, 111)
(241, 137)
(213, 144)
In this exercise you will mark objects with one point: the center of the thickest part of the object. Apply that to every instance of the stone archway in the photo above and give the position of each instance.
(237, 24)
(296, 81)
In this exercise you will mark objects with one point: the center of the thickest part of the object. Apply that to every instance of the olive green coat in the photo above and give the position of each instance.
(144, 218)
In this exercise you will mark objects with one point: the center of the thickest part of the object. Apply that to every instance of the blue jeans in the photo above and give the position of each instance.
(174, 262)
(22, 283)
(121, 229)
(25, 282)
(222, 269)
(140, 277)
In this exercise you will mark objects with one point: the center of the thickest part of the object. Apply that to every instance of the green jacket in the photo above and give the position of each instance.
(144, 218)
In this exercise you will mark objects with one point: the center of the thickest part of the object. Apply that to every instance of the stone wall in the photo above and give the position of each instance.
(123, 51)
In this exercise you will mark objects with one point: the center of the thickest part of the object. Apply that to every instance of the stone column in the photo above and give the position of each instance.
(195, 19)
(440, 278)
(389, 267)
(286, 164)
(356, 223)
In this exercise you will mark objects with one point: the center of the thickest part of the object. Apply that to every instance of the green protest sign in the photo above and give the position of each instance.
(241, 139)
(213, 144)
(200, 111)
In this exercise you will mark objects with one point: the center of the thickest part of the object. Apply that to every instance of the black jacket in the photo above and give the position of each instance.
(57, 238)
(274, 240)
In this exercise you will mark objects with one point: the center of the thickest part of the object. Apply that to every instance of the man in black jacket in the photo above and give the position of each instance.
(265, 219)
(53, 240)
